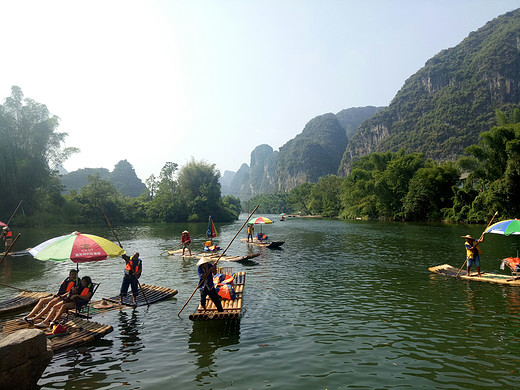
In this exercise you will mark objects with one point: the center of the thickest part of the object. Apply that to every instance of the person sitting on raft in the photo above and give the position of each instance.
(208, 247)
(261, 237)
(206, 270)
(75, 301)
(70, 283)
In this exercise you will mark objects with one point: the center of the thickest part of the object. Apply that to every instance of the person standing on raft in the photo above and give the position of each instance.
(473, 252)
(133, 270)
(7, 236)
(206, 270)
(185, 241)
(250, 232)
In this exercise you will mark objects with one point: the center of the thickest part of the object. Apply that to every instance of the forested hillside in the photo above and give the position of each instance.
(444, 106)
(123, 177)
(315, 152)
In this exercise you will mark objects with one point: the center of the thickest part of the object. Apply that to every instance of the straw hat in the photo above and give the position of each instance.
(467, 236)
(185, 232)
(103, 305)
(204, 260)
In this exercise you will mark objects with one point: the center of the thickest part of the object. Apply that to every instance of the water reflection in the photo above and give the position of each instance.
(131, 343)
(206, 338)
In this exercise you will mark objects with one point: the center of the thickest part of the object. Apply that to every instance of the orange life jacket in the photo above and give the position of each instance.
(8, 234)
(130, 266)
(86, 290)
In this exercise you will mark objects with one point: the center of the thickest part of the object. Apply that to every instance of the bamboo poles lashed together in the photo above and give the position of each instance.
(205, 275)
(119, 242)
(170, 249)
(482, 235)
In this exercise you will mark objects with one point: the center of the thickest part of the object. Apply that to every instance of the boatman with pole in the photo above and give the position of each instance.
(133, 270)
(7, 236)
(473, 252)
(185, 241)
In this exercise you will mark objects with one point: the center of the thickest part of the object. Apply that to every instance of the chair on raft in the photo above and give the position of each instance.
(513, 263)
(83, 311)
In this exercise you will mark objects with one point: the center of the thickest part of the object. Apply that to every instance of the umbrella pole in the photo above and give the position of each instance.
(482, 235)
(119, 242)
(207, 273)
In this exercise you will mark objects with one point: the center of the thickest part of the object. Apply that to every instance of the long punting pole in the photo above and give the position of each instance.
(9, 249)
(119, 242)
(207, 272)
(15, 210)
(482, 235)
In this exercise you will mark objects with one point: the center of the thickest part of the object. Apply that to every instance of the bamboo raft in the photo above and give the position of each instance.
(153, 294)
(17, 254)
(79, 331)
(232, 308)
(214, 255)
(448, 270)
(24, 300)
(269, 244)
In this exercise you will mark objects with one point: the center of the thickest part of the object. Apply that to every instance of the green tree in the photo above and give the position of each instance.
(325, 196)
(29, 151)
(199, 189)
(300, 197)
(430, 191)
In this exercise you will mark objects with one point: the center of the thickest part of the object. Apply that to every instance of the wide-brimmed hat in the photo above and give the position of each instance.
(467, 236)
(103, 305)
(185, 232)
(204, 260)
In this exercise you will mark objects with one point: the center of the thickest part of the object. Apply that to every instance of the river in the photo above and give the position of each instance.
(343, 304)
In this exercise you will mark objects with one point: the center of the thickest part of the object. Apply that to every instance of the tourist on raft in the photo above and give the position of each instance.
(250, 232)
(206, 270)
(7, 236)
(133, 271)
(76, 300)
(43, 306)
(185, 241)
(473, 252)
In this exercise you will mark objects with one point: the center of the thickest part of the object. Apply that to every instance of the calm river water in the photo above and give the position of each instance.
(341, 305)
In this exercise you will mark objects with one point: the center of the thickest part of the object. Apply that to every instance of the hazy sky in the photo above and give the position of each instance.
(166, 80)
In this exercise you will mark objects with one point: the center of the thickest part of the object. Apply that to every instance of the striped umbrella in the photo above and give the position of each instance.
(80, 248)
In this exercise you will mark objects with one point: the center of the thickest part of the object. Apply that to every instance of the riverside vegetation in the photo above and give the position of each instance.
(389, 185)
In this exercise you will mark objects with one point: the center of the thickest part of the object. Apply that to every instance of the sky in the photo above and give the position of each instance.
(156, 81)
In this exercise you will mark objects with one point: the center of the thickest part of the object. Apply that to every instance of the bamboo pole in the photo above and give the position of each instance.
(482, 235)
(15, 210)
(207, 273)
(16, 288)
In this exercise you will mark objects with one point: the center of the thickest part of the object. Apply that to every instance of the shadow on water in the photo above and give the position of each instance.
(206, 338)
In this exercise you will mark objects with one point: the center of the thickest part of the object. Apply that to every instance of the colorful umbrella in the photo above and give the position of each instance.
(509, 227)
(2, 224)
(283, 214)
(260, 220)
(80, 248)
